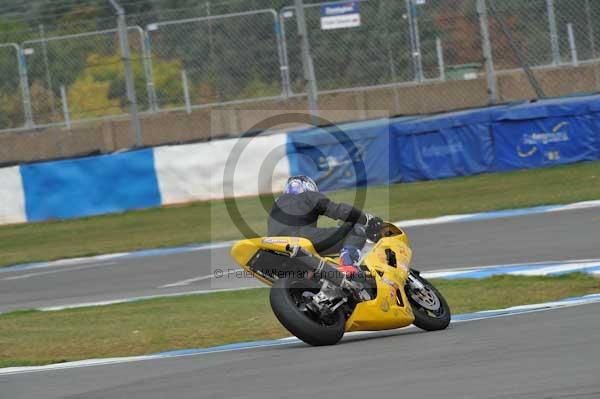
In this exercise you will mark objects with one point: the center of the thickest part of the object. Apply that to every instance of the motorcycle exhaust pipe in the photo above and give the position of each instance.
(319, 266)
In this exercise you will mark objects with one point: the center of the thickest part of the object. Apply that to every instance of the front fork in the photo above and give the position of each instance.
(413, 282)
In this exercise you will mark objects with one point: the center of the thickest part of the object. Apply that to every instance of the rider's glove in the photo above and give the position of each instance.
(373, 227)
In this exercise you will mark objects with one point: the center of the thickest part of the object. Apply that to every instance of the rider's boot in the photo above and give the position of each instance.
(348, 264)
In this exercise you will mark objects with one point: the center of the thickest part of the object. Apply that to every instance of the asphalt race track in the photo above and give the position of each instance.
(550, 354)
(566, 235)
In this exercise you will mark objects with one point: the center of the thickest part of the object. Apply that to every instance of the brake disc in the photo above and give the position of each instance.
(426, 298)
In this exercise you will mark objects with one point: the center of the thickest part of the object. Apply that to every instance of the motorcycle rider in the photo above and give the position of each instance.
(295, 214)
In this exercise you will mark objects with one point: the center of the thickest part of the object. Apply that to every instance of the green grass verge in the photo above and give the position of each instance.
(209, 221)
(32, 337)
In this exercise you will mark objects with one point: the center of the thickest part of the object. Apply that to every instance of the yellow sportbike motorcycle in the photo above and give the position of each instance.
(318, 304)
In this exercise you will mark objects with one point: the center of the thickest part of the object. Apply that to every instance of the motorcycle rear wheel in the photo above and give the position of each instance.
(430, 308)
(287, 300)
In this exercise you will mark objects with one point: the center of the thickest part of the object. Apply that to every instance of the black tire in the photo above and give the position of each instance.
(311, 330)
(427, 319)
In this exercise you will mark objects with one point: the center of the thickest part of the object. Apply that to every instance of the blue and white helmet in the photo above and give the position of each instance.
(300, 184)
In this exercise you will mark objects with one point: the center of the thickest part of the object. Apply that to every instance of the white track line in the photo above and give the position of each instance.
(117, 256)
(473, 217)
(475, 268)
(189, 281)
(29, 275)
(137, 298)
(527, 269)
(556, 269)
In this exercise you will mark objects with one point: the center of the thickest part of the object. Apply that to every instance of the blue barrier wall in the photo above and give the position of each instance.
(90, 186)
(444, 146)
(502, 138)
(350, 155)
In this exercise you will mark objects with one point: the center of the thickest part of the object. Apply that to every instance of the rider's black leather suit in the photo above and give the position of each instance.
(296, 215)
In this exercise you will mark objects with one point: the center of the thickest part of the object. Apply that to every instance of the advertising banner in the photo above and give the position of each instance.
(544, 142)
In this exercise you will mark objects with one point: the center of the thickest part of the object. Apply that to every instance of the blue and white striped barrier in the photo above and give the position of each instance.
(12, 196)
(376, 152)
(139, 179)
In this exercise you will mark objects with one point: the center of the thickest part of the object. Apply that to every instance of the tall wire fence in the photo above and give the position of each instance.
(60, 76)
(11, 101)
(375, 53)
(221, 58)
(82, 76)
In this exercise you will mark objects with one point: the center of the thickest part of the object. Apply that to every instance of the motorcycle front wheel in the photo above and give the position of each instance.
(429, 307)
(289, 297)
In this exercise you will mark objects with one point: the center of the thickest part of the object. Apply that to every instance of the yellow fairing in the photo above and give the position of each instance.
(243, 251)
(390, 309)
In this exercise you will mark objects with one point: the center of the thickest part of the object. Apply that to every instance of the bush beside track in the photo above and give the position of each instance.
(35, 338)
(209, 221)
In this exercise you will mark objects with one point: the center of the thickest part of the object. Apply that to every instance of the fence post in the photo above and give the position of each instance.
(553, 32)
(411, 36)
(27, 108)
(149, 71)
(415, 41)
(440, 57)
(284, 50)
(487, 51)
(307, 61)
(129, 82)
(186, 91)
(281, 52)
(418, 50)
(573, 45)
(65, 106)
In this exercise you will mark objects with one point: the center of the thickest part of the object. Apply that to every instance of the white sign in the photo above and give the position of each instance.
(340, 15)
